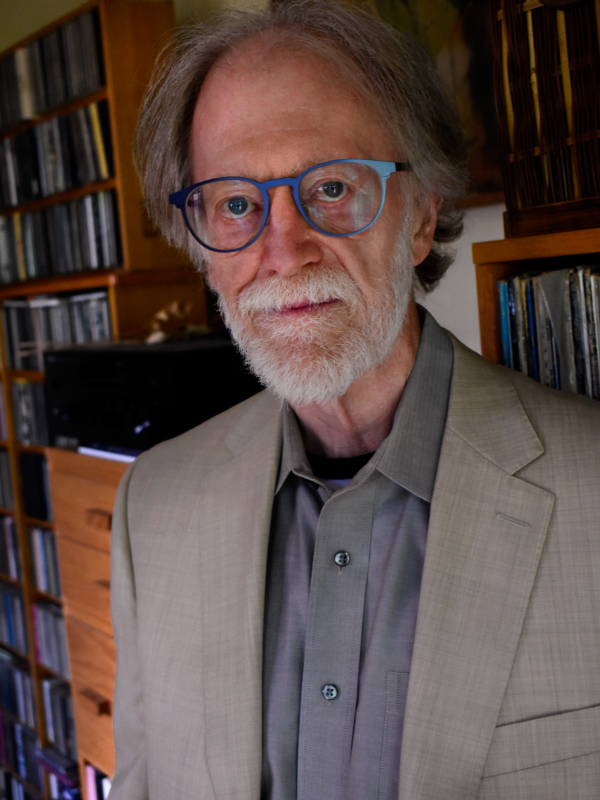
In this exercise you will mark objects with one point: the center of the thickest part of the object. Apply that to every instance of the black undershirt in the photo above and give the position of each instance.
(337, 468)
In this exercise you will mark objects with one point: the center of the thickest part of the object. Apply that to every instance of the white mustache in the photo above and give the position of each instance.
(314, 285)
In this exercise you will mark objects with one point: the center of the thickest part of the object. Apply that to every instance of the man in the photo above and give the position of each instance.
(378, 578)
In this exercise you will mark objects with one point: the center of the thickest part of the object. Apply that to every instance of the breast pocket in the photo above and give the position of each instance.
(549, 758)
(395, 705)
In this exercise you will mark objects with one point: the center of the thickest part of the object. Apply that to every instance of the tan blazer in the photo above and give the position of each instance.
(504, 694)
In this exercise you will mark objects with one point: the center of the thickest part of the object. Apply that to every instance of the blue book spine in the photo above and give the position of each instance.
(22, 766)
(507, 359)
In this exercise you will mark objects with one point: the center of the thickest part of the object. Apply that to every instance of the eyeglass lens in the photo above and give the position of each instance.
(337, 198)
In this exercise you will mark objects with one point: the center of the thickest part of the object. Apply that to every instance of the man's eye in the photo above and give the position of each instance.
(238, 207)
(332, 190)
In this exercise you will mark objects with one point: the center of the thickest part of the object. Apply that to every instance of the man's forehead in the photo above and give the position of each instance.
(275, 77)
(255, 100)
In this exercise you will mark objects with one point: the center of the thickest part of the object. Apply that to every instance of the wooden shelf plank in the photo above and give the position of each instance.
(14, 651)
(27, 374)
(38, 523)
(55, 111)
(30, 448)
(97, 279)
(62, 197)
(41, 596)
(8, 579)
(15, 718)
(46, 672)
(551, 245)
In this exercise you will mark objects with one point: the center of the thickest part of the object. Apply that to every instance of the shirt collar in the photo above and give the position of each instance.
(410, 454)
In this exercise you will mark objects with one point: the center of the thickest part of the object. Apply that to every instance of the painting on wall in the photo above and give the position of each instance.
(457, 34)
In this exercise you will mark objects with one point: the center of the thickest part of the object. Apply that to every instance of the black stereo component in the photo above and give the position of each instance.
(130, 396)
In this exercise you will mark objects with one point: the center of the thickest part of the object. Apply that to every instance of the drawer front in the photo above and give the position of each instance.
(85, 576)
(83, 509)
(93, 662)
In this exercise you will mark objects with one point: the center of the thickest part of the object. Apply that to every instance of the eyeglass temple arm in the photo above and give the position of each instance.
(402, 166)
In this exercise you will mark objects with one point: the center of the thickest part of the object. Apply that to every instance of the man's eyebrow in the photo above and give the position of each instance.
(299, 167)
(324, 160)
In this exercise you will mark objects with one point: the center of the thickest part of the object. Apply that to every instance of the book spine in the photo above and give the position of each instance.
(90, 782)
(590, 326)
(507, 359)
(103, 168)
(595, 294)
(22, 275)
(521, 326)
(579, 337)
(532, 331)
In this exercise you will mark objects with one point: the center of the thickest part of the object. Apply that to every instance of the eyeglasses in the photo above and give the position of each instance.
(337, 198)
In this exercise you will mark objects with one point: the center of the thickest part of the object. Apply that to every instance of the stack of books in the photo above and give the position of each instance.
(30, 412)
(10, 554)
(58, 712)
(12, 789)
(47, 321)
(63, 65)
(64, 238)
(65, 152)
(51, 638)
(12, 617)
(16, 689)
(19, 747)
(550, 328)
(42, 545)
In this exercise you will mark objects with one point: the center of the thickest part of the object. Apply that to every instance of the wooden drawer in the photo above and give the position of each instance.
(85, 576)
(83, 495)
(93, 662)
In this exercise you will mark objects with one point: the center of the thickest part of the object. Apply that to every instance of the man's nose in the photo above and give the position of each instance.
(288, 241)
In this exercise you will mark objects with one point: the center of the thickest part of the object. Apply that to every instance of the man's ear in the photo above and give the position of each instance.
(426, 210)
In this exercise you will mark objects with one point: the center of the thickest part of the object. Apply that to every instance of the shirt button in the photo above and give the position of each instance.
(330, 691)
(342, 558)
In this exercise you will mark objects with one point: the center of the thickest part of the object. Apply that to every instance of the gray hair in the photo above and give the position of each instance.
(390, 70)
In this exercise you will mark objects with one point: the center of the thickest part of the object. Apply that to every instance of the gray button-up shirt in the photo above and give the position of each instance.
(339, 639)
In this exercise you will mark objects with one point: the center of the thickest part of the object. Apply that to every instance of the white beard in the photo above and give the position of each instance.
(316, 358)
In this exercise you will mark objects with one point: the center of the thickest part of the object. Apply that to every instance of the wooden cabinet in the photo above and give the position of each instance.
(83, 494)
(93, 661)
(509, 257)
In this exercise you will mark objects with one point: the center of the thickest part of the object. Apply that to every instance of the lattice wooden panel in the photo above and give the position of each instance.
(547, 78)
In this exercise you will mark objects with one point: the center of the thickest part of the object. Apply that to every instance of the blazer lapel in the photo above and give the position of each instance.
(486, 533)
(236, 521)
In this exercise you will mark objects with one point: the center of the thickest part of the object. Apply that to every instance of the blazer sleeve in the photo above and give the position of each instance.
(130, 781)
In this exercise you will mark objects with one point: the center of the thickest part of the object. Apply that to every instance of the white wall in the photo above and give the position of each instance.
(454, 302)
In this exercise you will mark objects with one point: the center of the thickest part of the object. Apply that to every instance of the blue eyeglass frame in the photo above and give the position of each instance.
(383, 168)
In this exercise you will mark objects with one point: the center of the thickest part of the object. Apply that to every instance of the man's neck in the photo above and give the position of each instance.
(361, 419)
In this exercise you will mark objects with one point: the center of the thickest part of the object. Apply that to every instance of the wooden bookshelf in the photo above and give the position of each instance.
(509, 257)
(133, 33)
(150, 275)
